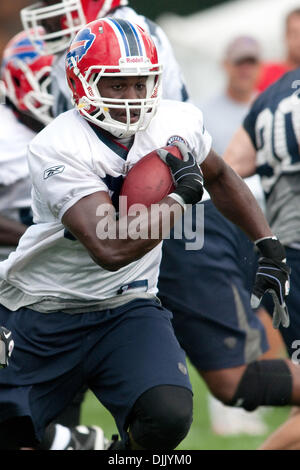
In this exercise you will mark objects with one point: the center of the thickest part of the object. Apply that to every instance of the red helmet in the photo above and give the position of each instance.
(111, 47)
(70, 16)
(26, 76)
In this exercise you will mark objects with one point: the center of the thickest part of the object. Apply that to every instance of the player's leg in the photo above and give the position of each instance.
(140, 376)
(202, 288)
(287, 436)
(66, 432)
(160, 418)
(44, 373)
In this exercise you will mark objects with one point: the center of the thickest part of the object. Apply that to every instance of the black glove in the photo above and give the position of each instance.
(6, 346)
(186, 173)
(272, 276)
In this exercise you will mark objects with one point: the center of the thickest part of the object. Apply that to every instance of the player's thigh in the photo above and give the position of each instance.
(208, 292)
(44, 372)
(197, 280)
(142, 352)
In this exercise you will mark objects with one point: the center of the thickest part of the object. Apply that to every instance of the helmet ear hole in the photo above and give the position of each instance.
(17, 82)
(73, 83)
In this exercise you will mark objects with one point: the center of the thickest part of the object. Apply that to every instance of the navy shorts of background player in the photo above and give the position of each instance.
(208, 292)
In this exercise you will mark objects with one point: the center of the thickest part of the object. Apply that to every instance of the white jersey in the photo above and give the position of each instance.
(173, 86)
(15, 184)
(69, 160)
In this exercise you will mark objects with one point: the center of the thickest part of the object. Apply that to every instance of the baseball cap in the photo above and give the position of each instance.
(243, 47)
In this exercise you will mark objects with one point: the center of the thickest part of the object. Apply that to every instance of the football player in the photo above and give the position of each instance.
(26, 77)
(84, 302)
(268, 144)
(25, 74)
(62, 18)
(27, 109)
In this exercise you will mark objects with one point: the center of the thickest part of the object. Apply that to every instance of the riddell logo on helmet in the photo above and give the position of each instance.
(134, 60)
(90, 90)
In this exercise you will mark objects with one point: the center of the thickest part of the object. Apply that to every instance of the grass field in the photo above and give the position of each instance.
(200, 436)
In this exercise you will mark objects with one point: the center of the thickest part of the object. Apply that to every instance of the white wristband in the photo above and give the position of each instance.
(178, 199)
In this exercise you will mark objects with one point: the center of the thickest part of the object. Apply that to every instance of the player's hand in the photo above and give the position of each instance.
(6, 346)
(186, 173)
(273, 277)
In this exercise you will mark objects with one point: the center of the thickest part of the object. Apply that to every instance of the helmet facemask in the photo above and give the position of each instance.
(96, 108)
(39, 101)
(30, 92)
(69, 16)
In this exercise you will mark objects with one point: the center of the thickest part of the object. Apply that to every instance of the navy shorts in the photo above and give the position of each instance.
(291, 335)
(118, 353)
(209, 293)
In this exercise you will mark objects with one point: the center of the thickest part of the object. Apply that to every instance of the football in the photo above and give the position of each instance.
(149, 180)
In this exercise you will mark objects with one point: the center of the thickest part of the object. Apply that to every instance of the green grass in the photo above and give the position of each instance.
(200, 436)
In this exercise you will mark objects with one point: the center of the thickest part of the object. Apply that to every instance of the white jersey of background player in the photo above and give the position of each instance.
(25, 78)
(173, 86)
(15, 184)
(58, 158)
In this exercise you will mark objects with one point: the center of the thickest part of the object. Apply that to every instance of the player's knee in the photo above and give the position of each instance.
(264, 383)
(161, 417)
(16, 433)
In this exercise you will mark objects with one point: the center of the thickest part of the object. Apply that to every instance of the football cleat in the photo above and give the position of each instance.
(87, 438)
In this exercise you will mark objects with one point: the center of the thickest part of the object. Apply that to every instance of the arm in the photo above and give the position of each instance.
(241, 154)
(10, 231)
(232, 197)
(119, 249)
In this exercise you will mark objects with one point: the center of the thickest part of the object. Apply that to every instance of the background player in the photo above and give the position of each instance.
(28, 107)
(224, 113)
(268, 144)
(60, 29)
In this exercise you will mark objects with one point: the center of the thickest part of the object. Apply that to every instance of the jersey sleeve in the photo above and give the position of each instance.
(203, 141)
(60, 179)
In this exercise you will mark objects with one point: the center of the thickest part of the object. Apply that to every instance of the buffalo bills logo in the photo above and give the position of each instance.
(22, 50)
(80, 46)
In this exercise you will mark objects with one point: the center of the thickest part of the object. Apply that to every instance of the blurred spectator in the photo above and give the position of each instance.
(10, 22)
(224, 112)
(272, 71)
